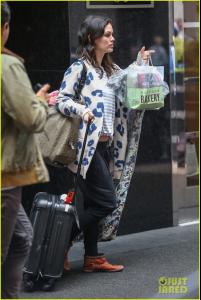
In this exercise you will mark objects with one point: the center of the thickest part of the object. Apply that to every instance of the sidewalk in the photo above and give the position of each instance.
(147, 256)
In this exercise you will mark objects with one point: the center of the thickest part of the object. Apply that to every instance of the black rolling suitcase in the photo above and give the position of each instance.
(52, 217)
(52, 221)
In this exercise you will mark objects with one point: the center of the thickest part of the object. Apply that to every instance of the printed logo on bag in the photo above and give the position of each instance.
(173, 285)
(150, 98)
(145, 98)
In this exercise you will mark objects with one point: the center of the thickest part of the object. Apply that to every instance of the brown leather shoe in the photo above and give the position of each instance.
(99, 264)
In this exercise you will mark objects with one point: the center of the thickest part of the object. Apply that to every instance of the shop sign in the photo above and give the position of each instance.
(119, 4)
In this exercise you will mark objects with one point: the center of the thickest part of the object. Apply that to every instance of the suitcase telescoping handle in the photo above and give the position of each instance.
(80, 161)
(71, 196)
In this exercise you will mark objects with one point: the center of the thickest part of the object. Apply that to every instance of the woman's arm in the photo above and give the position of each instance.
(65, 99)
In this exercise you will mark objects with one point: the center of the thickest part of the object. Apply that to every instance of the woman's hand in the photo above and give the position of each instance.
(88, 117)
(146, 54)
(53, 97)
(43, 92)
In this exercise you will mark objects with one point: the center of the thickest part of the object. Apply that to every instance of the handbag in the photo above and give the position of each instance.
(59, 138)
(146, 88)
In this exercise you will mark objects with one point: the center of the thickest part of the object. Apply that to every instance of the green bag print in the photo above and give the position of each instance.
(145, 98)
(145, 87)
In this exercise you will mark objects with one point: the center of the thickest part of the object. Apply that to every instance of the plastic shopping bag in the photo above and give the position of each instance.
(146, 88)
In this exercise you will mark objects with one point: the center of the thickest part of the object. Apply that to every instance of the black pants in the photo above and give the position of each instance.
(16, 236)
(99, 198)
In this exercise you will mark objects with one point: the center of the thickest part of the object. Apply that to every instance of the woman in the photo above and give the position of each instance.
(109, 120)
(103, 107)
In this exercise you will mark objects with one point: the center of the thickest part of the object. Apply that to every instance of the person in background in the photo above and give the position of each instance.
(160, 57)
(5, 50)
(23, 114)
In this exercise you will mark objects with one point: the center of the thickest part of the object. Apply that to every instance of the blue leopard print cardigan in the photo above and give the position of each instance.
(92, 99)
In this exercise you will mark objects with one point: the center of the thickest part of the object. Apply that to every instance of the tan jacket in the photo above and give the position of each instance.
(23, 115)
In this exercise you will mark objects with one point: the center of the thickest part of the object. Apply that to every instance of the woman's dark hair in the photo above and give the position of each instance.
(92, 28)
(5, 13)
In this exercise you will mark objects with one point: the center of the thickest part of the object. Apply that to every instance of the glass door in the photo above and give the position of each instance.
(186, 42)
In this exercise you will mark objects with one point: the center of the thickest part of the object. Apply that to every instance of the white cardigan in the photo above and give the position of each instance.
(92, 97)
